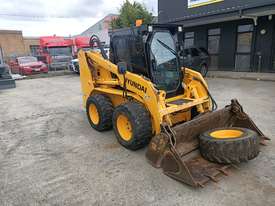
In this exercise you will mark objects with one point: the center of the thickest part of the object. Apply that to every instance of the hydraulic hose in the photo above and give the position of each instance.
(214, 103)
(94, 40)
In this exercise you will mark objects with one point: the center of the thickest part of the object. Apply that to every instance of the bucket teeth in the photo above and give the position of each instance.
(223, 171)
(200, 185)
(266, 138)
(235, 166)
(212, 178)
(263, 142)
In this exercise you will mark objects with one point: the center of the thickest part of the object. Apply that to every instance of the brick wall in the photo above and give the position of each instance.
(30, 41)
(12, 43)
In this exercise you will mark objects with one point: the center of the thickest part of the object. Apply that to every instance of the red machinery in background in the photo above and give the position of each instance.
(56, 51)
(80, 42)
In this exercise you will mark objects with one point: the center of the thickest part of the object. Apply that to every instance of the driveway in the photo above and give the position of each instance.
(49, 155)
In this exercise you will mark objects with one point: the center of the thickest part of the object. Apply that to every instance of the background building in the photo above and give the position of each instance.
(12, 44)
(31, 45)
(100, 29)
(239, 35)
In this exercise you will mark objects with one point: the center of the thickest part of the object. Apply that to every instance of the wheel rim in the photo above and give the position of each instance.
(93, 113)
(124, 127)
(226, 134)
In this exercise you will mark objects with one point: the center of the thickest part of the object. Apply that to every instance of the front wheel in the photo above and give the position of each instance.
(132, 125)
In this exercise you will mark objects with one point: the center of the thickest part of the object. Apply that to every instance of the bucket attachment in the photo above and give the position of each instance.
(176, 150)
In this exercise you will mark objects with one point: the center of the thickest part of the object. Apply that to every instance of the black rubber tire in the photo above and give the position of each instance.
(230, 150)
(105, 110)
(141, 125)
(204, 70)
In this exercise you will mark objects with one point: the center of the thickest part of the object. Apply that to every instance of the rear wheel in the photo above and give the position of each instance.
(132, 125)
(99, 111)
(229, 145)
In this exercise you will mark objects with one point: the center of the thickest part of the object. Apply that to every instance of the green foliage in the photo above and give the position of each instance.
(129, 13)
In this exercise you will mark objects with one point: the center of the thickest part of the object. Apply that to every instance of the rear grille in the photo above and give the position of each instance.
(59, 60)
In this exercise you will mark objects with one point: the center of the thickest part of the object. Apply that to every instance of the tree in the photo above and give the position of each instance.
(129, 13)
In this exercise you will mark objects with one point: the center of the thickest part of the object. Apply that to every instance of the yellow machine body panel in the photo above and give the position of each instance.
(174, 144)
(99, 75)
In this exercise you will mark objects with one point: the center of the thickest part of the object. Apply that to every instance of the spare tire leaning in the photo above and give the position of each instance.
(229, 145)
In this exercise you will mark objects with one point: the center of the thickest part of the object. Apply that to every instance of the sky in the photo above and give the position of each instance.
(60, 17)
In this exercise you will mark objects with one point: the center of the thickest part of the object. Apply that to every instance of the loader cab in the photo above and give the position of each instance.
(152, 51)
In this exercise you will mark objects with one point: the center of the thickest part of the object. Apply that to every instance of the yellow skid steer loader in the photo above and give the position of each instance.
(144, 93)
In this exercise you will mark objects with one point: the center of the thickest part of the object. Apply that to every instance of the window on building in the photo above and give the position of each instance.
(189, 39)
(214, 36)
(245, 28)
(244, 42)
(34, 50)
(243, 49)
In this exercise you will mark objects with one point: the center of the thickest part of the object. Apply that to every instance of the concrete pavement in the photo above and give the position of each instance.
(242, 75)
(49, 154)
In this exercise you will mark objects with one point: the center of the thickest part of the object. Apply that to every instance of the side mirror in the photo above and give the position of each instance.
(122, 67)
